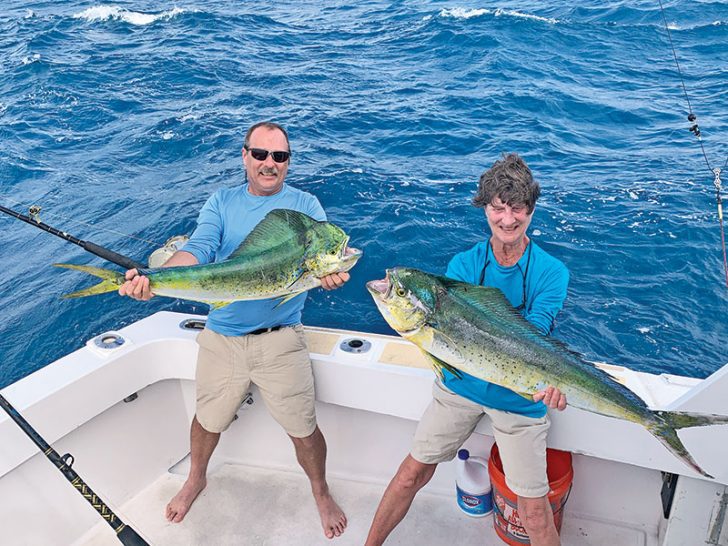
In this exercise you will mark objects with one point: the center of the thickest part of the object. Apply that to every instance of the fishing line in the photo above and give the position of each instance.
(695, 129)
(35, 209)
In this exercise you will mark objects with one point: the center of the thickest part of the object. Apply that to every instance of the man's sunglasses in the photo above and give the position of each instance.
(259, 154)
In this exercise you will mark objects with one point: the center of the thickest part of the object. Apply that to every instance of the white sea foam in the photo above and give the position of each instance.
(514, 13)
(104, 13)
(643, 330)
(167, 135)
(355, 170)
(465, 13)
(29, 14)
(34, 58)
(188, 117)
(676, 27)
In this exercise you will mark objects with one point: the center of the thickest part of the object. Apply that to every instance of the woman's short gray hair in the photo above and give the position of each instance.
(510, 180)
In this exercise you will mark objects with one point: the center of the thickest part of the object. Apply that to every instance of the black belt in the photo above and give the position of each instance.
(264, 330)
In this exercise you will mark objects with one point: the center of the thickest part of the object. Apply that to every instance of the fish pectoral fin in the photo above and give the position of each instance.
(447, 344)
(297, 277)
(439, 365)
(289, 297)
(215, 305)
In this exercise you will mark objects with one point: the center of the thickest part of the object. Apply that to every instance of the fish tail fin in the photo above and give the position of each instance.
(687, 419)
(669, 422)
(111, 280)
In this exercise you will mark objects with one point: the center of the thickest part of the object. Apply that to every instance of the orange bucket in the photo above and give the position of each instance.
(505, 502)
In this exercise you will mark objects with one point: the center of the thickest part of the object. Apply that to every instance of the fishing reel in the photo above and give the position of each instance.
(160, 256)
(34, 213)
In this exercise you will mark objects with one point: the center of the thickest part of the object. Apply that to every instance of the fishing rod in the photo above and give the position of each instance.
(126, 534)
(93, 248)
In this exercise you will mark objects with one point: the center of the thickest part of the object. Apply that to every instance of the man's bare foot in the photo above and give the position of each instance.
(333, 519)
(180, 504)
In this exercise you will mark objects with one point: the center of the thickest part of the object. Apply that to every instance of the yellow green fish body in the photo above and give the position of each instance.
(285, 254)
(474, 329)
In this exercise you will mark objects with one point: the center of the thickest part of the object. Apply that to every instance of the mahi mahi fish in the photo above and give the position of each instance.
(474, 329)
(285, 254)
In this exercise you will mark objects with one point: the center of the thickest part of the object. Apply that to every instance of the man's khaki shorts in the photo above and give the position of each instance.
(450, 419)
(277, 362)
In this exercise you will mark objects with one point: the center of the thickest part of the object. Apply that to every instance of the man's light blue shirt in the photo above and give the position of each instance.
(546, 283)
(224, 222)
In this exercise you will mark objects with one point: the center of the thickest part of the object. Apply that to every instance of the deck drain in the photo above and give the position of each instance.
(355, 345)
(109, 341)
(192, 324)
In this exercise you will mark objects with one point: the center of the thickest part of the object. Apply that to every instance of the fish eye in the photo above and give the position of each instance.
(401, 292)
(332, 252)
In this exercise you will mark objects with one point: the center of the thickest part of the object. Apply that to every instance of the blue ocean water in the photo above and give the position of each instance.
(119, 119)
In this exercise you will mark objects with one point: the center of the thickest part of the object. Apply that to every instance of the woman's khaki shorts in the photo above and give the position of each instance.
(450, 419)
(277, 362)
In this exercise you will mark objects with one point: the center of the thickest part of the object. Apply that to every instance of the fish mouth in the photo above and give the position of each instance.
(349, 255)
(380, 288)
(351, 252)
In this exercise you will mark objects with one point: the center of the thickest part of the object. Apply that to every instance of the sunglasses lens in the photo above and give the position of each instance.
(258, 154)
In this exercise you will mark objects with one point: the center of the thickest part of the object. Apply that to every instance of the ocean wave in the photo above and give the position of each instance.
(188, 117)
(465, 13)
(104, 13)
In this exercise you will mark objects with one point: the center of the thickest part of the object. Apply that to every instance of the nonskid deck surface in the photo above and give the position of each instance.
(250, 506)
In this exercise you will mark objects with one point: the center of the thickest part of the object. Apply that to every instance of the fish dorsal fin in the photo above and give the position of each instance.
(494, 303)
(488, 299)
(278, 227)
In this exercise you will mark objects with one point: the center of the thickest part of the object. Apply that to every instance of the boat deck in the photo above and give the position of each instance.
(245, 505)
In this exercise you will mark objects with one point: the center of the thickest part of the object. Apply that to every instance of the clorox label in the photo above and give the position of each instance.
(474, 505)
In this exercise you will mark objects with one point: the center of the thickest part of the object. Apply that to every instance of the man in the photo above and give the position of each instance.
(252, 341)
(535, 283)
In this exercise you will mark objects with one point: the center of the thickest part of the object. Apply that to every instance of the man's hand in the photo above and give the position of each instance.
(136, 286)
(335, 280)
(552, 397)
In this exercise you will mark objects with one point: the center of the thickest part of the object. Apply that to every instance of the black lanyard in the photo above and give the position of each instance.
(523, 273)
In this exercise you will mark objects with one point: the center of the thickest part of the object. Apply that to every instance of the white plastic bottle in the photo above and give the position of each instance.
(472, 485)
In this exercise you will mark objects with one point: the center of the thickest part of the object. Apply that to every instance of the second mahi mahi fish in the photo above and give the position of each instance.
(285, 254)
(474, 329)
